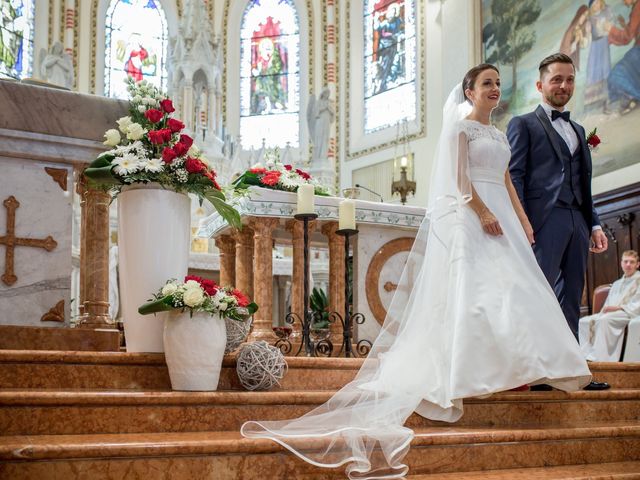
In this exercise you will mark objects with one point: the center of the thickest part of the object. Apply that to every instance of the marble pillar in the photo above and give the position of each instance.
(96, 260)
(336, 275)
(263, 278)
(297, 274)
(227, 246)
(81, 188)
(244, 260)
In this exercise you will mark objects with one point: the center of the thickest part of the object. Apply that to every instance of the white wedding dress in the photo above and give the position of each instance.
(473, 315)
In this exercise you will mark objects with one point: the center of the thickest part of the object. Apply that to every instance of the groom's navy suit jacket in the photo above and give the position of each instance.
(537, 169)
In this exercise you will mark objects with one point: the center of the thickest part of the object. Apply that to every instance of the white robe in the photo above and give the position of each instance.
(601, 334)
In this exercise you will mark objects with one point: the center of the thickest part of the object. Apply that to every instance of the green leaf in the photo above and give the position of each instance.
(160, 305)
(252, 307)
(100, 171)
(225, 210)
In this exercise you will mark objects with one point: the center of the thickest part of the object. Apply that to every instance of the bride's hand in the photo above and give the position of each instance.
(490, 223)
(528, 231)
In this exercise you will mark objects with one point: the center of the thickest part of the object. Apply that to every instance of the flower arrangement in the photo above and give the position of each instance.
(593, 140)
(277, 176)
(149, 146)
(198, 294)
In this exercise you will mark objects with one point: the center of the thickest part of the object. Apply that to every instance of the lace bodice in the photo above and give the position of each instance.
(488, 147)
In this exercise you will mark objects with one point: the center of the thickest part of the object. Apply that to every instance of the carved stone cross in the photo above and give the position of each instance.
(10, 241)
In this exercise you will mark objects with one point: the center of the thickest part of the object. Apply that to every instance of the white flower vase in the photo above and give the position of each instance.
(154, 241)
(194, 347)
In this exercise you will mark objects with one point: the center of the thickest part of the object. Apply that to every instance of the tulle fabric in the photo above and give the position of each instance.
(423, 360)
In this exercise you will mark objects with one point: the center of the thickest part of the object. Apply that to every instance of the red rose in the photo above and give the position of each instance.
(180, 149)
(211, 176)
(166, 134)
(187, 140)
(156, 137)
(243, 301)
(209, 286)
(258, 171)
(304, 175)
(594, 141)
(153, 115)
(167, 105)
(168, 155)
(175, 125)
(192, 277)
(270, 178)
(193, 165)
(288, 168)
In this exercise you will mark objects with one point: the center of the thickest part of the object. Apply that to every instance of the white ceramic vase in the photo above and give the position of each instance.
(154, 241)
(194, 348)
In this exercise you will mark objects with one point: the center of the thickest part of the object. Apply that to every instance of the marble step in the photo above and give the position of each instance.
(118, 370)
(226, 455)
(34, 412)
(602, 471)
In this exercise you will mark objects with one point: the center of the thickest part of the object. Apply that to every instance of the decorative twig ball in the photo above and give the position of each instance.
(237, 332)
(260, 366)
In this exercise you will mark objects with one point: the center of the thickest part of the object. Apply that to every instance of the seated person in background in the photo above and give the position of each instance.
(601, 334)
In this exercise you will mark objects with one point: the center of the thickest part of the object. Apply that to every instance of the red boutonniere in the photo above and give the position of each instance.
(593, 140)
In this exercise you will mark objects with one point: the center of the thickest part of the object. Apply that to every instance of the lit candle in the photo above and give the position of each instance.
(347, 215)
(305, 199)
(404, 161)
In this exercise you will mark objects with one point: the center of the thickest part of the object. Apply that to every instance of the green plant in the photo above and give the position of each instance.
(320, 309)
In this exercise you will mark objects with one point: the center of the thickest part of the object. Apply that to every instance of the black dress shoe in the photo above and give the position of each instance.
(597, 386)
(543, 387)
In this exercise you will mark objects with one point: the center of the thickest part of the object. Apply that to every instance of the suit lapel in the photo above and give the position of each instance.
(546, 124)
(583, 145)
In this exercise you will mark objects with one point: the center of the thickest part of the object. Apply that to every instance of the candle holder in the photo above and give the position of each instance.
(307, 316)
(363, 346)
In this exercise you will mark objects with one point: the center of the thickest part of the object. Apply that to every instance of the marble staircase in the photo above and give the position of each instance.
(101, 415)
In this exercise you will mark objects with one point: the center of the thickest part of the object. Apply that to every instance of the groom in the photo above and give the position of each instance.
(551, 170)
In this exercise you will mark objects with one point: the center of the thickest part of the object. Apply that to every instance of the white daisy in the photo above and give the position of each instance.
(126, 164)
(153, 165)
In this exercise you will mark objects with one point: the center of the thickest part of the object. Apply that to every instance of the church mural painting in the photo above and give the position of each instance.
(389, 62)
(16, 37)
(269, 74)
(136, 45)
(601, 36)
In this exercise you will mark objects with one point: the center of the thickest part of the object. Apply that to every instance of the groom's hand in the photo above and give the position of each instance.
(599, 241)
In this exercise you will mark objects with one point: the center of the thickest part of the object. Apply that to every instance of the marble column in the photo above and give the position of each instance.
(227, 246)
(297, 275)
(81, 188)
(336, 275)
(244, 260)
(263, 278)
(96, 260)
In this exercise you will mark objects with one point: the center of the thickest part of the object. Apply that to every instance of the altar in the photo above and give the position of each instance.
(379, 251)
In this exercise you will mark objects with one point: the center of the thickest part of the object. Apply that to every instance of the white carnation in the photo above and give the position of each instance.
(193, 297)
(169, 289)
(112, 137)
(142, 108)
(135, 131)
(123, 123)
(191, 284)
(136, 99)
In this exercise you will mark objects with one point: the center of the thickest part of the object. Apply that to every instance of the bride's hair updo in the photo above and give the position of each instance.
(470, 77)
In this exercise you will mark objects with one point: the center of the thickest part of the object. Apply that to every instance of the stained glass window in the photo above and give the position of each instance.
(269, 74)
(389, 62)
(16, 37)
(135, 45)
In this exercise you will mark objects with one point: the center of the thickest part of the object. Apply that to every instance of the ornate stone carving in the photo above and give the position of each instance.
(10, 241)
(372, 279)
(55, 314)
(59, 176)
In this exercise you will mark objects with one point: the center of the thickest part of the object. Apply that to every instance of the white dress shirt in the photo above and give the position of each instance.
(564, 129)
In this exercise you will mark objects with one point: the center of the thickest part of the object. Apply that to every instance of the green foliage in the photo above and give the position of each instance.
(320, 308)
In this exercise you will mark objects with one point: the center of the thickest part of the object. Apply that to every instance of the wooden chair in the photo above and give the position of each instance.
(599, 297)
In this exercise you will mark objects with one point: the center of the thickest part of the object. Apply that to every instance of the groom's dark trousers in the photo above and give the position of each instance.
(554, 186)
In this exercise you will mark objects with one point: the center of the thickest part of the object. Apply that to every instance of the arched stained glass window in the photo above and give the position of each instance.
(16, 38)
(135, 45)
(389, 63)
(270, 74)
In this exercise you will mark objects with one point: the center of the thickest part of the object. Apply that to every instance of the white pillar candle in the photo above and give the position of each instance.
(347, 215)
(305, 199)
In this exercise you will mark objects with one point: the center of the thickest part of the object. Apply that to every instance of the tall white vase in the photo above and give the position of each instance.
(194, 347)
(154, 241)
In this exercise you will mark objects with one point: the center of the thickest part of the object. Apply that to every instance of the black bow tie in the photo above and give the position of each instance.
(563, 115)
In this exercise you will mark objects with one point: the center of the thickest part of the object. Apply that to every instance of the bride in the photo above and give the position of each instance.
(473, 313)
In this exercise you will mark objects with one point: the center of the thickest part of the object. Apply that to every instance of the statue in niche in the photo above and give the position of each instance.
(200, 109)
(56, 66)
(320, 116)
